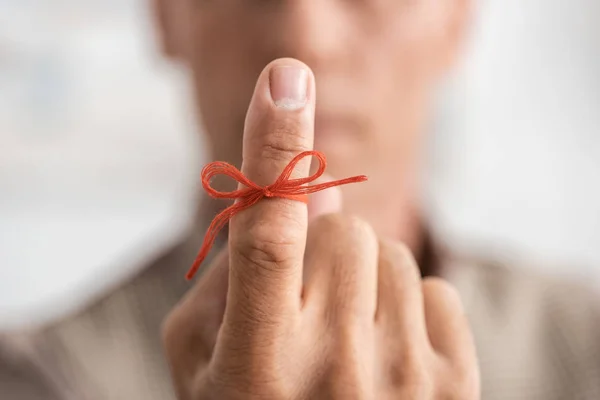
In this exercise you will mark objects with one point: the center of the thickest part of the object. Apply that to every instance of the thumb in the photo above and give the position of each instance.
(325, 202)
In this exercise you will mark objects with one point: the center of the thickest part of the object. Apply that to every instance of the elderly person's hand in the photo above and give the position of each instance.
(326, 310)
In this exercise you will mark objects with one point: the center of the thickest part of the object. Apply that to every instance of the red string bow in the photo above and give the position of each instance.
(283, 187)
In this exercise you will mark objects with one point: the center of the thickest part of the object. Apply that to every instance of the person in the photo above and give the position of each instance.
(329, 304)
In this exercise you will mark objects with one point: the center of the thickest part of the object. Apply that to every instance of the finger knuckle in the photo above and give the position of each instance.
(414, 383)
(260, 257)
(435, 286)
(279, 152)
(344, 380)
(186, 340)
(466, 383)
(257, 380)
(170, 331)
(265, 248)
(401, 251)
(399, 263)
(457, 392)
(408, 366)
(344, 229)
(284, 141)
(347, 239)
(349, 244)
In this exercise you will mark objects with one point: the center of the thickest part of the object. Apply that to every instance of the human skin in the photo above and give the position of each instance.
(327, 310)
(376, 64)
(278, 314)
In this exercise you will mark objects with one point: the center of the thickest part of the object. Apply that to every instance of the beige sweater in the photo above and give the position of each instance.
(537, 339)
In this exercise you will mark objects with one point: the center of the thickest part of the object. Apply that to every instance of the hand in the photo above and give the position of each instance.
(327, 311)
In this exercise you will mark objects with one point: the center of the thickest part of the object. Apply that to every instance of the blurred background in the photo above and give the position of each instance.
(99, 158)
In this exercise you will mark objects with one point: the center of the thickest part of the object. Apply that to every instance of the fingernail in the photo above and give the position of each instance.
(289, 86)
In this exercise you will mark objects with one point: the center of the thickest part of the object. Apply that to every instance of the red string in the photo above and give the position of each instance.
(284, 187)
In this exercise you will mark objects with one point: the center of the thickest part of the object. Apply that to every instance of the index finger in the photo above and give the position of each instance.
(267, 240)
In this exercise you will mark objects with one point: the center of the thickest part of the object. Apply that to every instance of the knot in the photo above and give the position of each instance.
(283, 187)
(268, 193)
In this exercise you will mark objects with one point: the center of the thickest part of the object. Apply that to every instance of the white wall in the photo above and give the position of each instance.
(523, 135)
(98, 157)
(97, 154)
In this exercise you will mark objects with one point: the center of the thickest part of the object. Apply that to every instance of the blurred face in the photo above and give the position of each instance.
(374, 63)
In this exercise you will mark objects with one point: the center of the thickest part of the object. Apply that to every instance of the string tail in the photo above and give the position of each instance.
(209, 240)
(197, 263)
